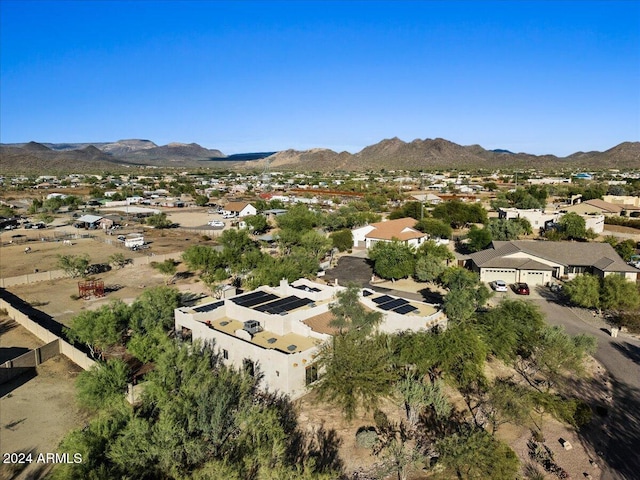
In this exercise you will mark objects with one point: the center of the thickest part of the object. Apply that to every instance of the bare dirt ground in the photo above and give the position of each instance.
(36, 413)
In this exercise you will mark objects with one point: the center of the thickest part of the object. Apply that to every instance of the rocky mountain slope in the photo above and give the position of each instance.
(388, 154)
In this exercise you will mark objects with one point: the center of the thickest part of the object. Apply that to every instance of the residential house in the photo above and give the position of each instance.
(537, 262)
(402, 229)
(279, 330)
(596, 206)
(239, 209)
(544, 219)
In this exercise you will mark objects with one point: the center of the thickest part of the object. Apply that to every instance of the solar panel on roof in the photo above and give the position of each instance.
(258, 300)
(296, 304)
(274, 307)
(208, 307)
(393, 304)
(382, 299)
(404, 309)
(247, 296)
(254, 298)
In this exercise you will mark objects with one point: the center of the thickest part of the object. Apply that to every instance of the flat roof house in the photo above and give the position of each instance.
(537, 262)
(279, 330)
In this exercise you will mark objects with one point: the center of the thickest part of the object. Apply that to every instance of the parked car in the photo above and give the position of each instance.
(521, 289)
(216, 223)
(228, 215)
(499, 285)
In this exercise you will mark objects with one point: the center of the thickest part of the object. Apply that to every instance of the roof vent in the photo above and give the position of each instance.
(292, 348)
(272, 340)
(224, 323)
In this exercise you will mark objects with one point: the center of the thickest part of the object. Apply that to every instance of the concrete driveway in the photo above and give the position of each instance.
(620, 443)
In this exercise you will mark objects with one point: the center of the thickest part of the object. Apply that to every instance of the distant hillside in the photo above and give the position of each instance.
(389, 154)
(37, 158)
(174, 154)
(439, 153)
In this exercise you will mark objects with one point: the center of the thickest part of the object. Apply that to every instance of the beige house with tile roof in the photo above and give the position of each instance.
(595, 206)
(401, 229)
(537, 262)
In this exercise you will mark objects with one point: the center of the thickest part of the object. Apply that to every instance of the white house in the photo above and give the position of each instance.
(541, 218)
(239, 209)
(280, 330)
(401, 229)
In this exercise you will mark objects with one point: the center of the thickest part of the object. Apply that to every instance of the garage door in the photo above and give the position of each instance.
(491, 274)
(533, 278)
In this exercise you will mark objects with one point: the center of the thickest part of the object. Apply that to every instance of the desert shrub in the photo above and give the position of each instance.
(366, 437)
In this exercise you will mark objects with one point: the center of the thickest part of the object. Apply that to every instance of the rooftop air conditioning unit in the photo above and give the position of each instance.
(252, 326)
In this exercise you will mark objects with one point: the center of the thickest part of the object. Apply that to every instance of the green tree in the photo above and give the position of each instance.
(626, 249)
(479, 238)
(392, 260)
(435, 228)
(315, 243)
(257, 223)
(475, 454)
(168, 268)
(298, 219)
(342, 240)
(118, 260)
(509, 402)
(154, 308)
(350, 315)
(619, 294)
(583, 290)
(357, 373)
(555, 354)
(74, 265)
(158, 220)
(458, 214)
(102, 385)
(201, 200)
(429, 269)
(573, 226)
(203, 258)
(511, 329)
(504, 229)
(100, 329)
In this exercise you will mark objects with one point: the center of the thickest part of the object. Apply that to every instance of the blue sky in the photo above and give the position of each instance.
(541, 77)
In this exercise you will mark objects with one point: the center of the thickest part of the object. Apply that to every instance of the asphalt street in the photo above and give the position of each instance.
(620, 443)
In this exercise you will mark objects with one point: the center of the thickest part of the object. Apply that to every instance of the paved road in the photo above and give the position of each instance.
(621, 357)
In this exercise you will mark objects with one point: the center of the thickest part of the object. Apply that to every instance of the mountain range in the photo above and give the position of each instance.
(388, 154)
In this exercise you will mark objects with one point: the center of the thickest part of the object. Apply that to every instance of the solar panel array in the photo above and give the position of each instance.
(283, 305)
(382, 299)
(208, 307)
(254, 298)
(404, 309)
(398, 305)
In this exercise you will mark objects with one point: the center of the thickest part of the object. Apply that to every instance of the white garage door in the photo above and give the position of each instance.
(491, 274)
(533, 278)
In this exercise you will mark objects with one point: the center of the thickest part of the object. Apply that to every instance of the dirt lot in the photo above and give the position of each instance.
(36, 412)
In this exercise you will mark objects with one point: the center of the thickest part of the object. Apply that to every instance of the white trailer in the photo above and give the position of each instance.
(134, 241)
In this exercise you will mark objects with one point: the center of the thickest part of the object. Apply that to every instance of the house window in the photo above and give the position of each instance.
(225, 354)
(311, 374)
